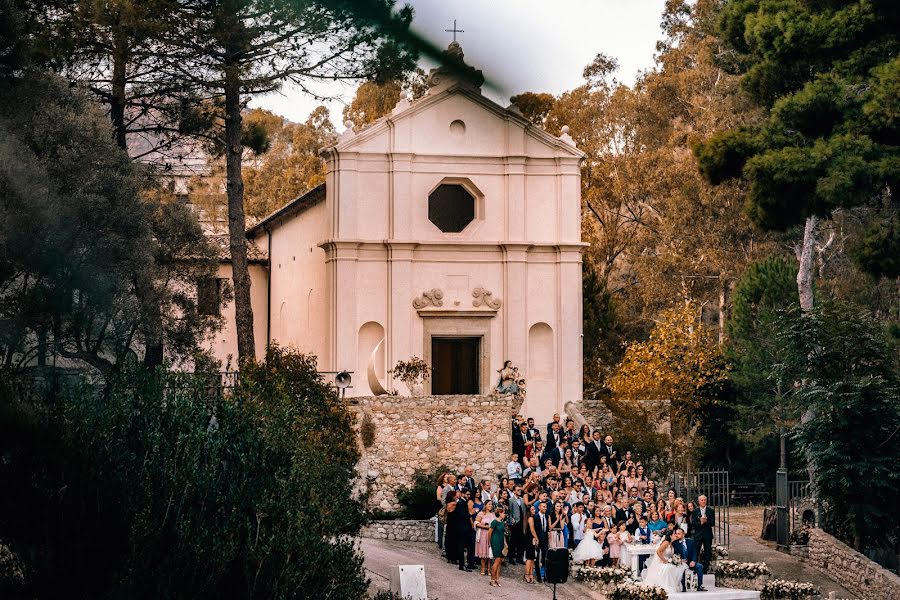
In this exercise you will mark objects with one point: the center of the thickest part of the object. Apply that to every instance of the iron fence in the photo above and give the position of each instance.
(716, 486)
(799, 493)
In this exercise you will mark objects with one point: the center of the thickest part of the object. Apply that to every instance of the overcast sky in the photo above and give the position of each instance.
(522, 45)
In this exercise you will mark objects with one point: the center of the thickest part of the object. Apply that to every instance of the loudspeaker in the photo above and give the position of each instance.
(342, 379)
(557, 566)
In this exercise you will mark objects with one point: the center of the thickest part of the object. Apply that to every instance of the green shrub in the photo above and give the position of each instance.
(418, 500)
(185, 494)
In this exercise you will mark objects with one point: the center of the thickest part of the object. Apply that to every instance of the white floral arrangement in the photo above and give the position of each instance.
(781, 589)
(630, 591)
(739, 570)
(606, 575)
(719, 552)
(676, 560)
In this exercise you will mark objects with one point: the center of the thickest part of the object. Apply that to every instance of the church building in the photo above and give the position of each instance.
(449, 230)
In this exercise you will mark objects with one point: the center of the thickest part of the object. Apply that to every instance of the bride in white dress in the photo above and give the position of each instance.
(660, 570)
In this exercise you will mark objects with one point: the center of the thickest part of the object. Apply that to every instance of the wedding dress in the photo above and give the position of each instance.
(663, 573)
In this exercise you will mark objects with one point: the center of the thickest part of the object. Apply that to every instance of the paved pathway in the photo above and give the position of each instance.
(445, 581)
(746, 524)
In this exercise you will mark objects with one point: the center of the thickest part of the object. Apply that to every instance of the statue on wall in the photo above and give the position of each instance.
(509, 381)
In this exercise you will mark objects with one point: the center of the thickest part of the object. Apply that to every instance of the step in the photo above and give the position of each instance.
(716, 594)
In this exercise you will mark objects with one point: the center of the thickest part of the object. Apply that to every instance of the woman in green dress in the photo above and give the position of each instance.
(498, 540)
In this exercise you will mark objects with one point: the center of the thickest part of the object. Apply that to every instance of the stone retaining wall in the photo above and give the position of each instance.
(425, 432)
(596, 413)
(853, 570)
(403, 531)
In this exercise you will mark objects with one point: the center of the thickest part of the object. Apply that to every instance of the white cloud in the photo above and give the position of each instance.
(522, 45)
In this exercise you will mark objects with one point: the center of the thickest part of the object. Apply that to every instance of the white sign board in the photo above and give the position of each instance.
(409, 581)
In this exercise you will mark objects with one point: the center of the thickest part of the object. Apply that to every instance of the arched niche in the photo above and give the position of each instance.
(370, 335)
(541, 353)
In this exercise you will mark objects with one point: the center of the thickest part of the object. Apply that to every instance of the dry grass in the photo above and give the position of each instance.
(746, 520)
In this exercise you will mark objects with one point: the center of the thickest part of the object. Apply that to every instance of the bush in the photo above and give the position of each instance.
(152, 488)
(418, 501)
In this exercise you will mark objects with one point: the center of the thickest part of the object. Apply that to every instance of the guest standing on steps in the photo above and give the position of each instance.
(482, 535)
(497, 532)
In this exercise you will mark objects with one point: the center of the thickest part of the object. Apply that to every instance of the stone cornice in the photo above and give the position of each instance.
(450, 313)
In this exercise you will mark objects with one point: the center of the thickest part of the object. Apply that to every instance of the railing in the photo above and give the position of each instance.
(798, 492)
(715, 485)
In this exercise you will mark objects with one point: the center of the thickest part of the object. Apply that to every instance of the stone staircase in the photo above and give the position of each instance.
(716, 593)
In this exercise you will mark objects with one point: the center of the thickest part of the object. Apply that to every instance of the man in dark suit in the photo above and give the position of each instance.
(469, 472)
(703, 519)
(541, 539)
(592, 452)
(611, 453)
(554, 436)
(687, 549)
(533, 432)
(519, 440)
(556, 421)
(557, 454)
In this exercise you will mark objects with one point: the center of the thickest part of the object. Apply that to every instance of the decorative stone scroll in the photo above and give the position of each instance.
(485, 297)
(432, 297)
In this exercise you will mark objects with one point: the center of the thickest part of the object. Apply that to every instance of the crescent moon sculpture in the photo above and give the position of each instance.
(374, 383)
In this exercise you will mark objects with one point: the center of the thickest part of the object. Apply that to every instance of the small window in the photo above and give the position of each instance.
(451, 207)
(209, 296)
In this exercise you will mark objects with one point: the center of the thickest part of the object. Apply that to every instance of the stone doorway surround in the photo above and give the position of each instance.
(475, 323)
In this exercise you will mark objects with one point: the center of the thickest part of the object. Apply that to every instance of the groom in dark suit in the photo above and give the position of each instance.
(686, 549)
(703, 519)
(541, 539)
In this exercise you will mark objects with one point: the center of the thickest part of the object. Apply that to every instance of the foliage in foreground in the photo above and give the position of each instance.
(418, 500)
(153, 487)
(95, 261)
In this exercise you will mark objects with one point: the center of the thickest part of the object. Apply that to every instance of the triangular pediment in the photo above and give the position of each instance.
(457, 120)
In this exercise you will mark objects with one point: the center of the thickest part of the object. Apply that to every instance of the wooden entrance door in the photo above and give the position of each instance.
(455, 365)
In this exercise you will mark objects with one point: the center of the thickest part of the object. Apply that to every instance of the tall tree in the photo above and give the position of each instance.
(826, 75)
(660, 234)
(848, 375)
(374, 99)
(670, 380)
(237, 48)
(116, 50)
(289, 166)
(765, 290)
(81, 231)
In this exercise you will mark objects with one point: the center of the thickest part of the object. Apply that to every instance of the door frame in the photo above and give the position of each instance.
(457, 325)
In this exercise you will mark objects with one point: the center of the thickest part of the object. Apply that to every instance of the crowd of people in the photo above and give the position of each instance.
(568, 488)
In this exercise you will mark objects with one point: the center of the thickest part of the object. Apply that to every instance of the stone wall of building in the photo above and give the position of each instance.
(853, 570)
(594, 412)
(400, 530)
(424, 432)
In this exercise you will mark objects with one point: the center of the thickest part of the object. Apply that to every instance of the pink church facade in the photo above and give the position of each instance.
(449, 230)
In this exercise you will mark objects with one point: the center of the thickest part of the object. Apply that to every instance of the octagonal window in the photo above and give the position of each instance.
(451, 207)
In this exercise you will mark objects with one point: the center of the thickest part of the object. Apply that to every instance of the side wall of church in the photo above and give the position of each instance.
(300, 295)
(223, 343)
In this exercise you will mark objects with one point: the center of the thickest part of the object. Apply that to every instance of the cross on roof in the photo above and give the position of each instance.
(454, 31)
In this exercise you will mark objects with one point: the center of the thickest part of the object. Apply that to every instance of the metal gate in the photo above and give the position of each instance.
(800, 497)
(716, 487)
